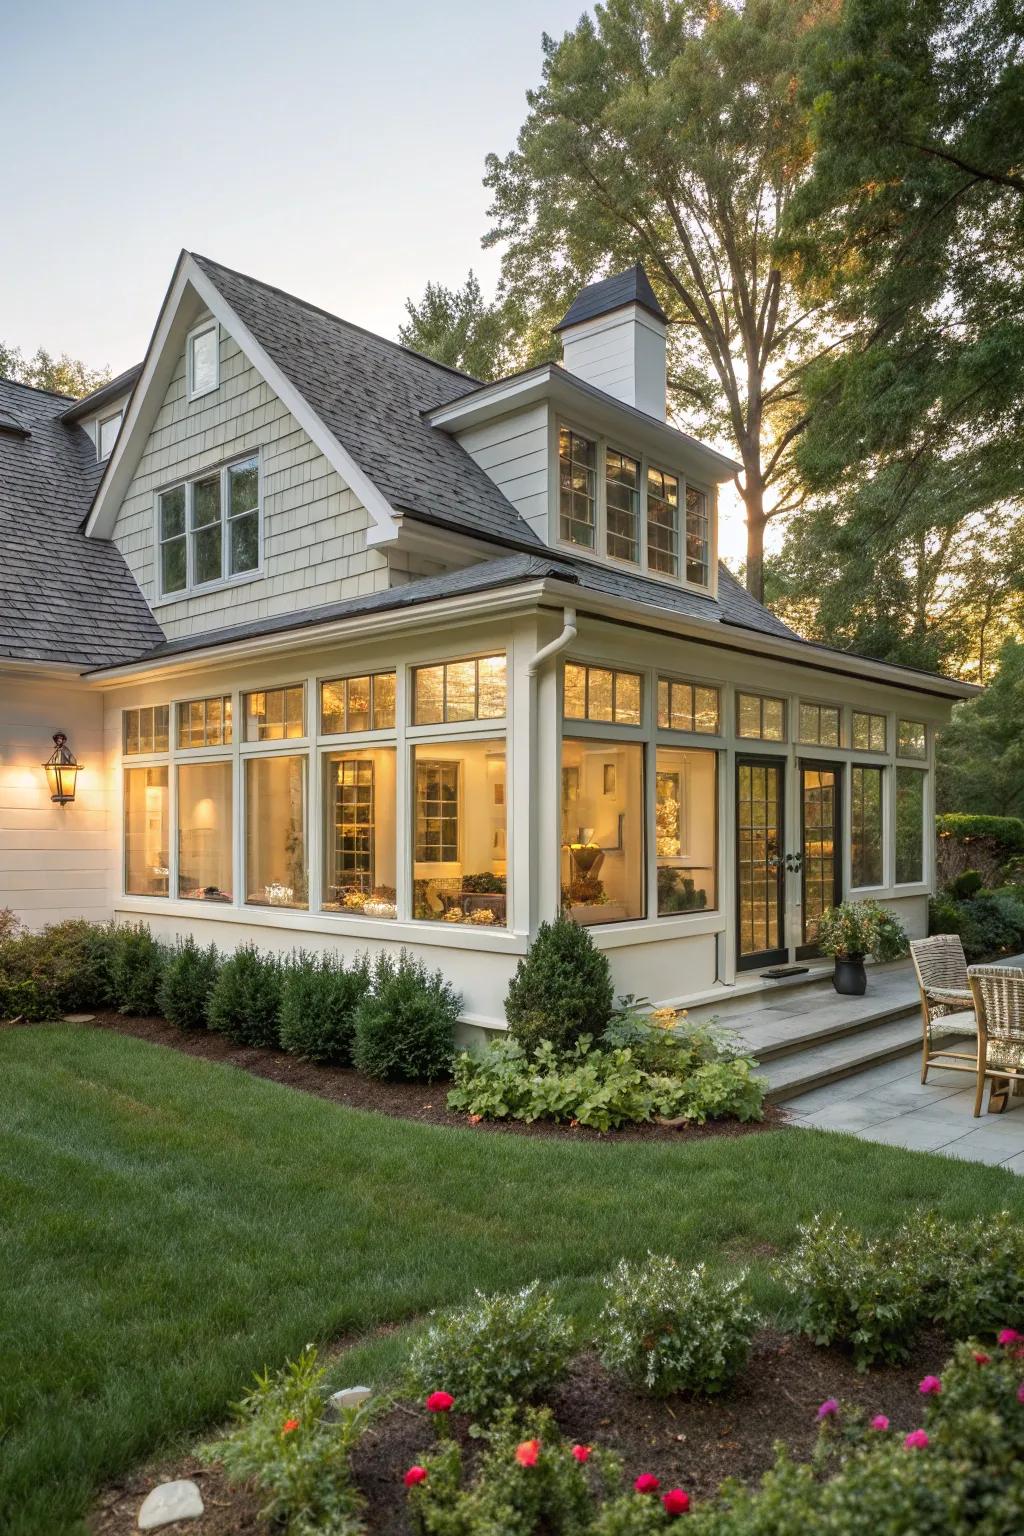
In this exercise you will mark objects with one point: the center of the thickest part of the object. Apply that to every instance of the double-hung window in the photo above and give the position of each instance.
(662, 522)
(577, 498)
(208, 529)
(697, 539)
(622, 506)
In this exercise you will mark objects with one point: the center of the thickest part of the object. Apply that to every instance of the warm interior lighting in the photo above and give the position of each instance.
(61, 769)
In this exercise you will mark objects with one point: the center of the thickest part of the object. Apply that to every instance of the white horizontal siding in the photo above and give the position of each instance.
(513, 452)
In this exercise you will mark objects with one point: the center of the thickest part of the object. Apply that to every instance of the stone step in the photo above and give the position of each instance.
(786, 1034)
(791, 1075)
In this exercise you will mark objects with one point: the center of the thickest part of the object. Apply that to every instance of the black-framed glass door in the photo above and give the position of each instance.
(760, 865)
(821, 869)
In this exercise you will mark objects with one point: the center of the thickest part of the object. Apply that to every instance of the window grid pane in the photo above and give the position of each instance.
(696, 536)
(622, 506)
(274, 714)
(437, 812)
(662, 523)
(576, 478)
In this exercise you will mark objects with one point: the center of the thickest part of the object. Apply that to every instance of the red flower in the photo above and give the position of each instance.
(647, 1483)
(415, 1475)
(439, 1402)
(676, 1502)
(980, 1359)
(1011, 1336)
(581, 1452)
(289, 1425)
(527, 1453)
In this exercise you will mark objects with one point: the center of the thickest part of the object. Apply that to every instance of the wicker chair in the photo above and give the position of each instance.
(946, 1001)
(999, 1005)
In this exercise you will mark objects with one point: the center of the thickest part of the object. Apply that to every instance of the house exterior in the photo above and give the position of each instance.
(358, 652)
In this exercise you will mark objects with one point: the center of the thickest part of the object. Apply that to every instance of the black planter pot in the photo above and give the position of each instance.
(850, 977)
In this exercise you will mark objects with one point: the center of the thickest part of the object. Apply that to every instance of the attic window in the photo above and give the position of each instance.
(106, 434)
(202, 360)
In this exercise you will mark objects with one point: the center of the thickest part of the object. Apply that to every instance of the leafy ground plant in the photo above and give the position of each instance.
(506, 1348)
(668, 1329)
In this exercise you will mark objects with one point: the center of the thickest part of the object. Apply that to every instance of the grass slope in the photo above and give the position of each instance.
(167, 1226)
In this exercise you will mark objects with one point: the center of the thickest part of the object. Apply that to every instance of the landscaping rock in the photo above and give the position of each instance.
(79, 1018)
(179, 1500)
(348, 1397)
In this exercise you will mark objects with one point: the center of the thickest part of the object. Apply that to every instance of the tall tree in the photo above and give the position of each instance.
(981, 753)
(457, 326)
(61, 375)
(670, 132)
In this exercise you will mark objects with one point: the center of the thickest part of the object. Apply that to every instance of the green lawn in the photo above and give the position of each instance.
(168, 1226)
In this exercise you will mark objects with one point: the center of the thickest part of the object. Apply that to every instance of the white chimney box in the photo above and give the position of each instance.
(613, 336)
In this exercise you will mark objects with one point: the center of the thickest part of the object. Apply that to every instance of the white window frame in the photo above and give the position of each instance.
(193, 336)
(101, 422)
(603, 443)
(226, 578)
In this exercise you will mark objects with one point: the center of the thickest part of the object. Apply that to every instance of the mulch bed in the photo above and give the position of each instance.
(687, 1443)
(406, 1101)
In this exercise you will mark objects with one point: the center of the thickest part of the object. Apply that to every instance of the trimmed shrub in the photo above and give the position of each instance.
(188, 981)
(137, 969)
(498, 1350)
(67, 968)
(246, 998)
(405, 1027)
(984, 843)
(990, 923)
(964, 886)
(319, 998)
(562, 988)
(972, 1272)
(667, 1329)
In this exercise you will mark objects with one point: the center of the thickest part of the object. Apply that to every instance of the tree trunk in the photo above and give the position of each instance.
(752, 492)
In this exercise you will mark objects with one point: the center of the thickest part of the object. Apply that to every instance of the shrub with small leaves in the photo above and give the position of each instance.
(137, 969)
(668, 1329)
(562, 988)
(508, 1348)
(971, 1272)
(246, 998)
(846, 1289)
(299, 1463)
(187, 984)
(405, 1026)
(319, 998)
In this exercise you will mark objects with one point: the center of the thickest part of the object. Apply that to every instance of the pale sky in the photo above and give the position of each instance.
(335, 150)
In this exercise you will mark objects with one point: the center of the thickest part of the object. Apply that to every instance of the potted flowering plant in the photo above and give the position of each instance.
(854, 930)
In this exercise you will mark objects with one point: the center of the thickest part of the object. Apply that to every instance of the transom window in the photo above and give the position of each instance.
(209, 528)
(819, 725)
(760, 717)
(687, 707)
(205, 722)
(202, 360)
(622, 493)
(364, 703)
(577, 489)
(662, 522)
(868, 733)
(274, 714)
(599, 693)
(911, 739)
(145, 729)
(459, 690)
(697, 542)
(106, 434)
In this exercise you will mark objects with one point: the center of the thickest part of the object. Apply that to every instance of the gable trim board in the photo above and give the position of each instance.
(173, 326)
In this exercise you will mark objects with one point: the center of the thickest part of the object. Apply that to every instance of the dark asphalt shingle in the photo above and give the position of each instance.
(610, 293)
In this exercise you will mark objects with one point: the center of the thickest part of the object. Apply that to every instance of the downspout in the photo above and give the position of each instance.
(567, 636)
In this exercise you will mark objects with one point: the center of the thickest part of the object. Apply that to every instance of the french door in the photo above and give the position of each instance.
(760, 862)
(821, 864)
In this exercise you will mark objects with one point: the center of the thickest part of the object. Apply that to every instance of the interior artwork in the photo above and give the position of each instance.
(602, 871)
(459, 839)
(685, 820)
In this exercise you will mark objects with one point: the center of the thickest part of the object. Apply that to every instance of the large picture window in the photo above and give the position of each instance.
(866, 864)
(602, 850)
(686, 825)
(146, 832)
(459, 833)
(459, 690)
(909, 826)
(359, 832)
(275, 831)
(204, 831)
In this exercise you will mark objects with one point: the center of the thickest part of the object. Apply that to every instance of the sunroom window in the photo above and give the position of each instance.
(145, 729)
(275, 714)
(819, 725)
(687, 707)
(204, 831)
(909, 825)
(205, 723)
(662, 522)
(146, 831)
(866, 831)
(602, 694)
(275, 831)
(359, 832)
(459, 690)
(602, 843)
(622, 506)
(760, 717)
(577, 499)
(868, 733)
(911, 739)
(364, 703)
(686, 829)
(459, 833)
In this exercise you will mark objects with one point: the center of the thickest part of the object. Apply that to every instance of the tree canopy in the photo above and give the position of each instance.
(61, 375)
(457, 327)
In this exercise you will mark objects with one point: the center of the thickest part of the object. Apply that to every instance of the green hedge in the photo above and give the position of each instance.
(1006, 830)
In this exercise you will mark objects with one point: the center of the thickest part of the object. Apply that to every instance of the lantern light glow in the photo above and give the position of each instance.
(61, 769)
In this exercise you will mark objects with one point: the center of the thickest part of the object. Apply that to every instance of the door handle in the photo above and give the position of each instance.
(794, 863)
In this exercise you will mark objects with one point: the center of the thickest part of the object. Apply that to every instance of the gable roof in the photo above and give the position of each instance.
(601, 298)
(63, 597)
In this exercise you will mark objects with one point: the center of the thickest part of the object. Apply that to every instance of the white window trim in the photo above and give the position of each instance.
(101, 422)
(675, 736)
(819, 704)
(885, 751)
(192, 588)
(603, 442)
(193, 336)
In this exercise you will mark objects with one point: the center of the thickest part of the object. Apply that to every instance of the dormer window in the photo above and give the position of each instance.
(106, 434)
(202, 360)
(622, 492)
(577, 488)
(697, 560)
(662, 522)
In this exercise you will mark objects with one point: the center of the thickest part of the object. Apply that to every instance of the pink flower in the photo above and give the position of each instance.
(415, 1475)
(880, 1422)
(527, 1453)
(1010, 1336)
(647, 1483)
(917, 1440)
(981, 1359)
(676, 1502)
(828, 1410)
(439, 1402)
(581, 1453)
(931, 1386)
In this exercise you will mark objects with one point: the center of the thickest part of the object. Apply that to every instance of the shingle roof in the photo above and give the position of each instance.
(370, 393)
(629, 287)
(63, 597)
(120, 384)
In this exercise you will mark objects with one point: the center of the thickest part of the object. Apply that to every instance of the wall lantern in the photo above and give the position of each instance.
(61, 769)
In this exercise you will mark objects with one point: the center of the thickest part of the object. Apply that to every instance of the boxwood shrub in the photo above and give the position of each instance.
(562, 988)
(246, 998)
(188, 981)
(319, 999)
(137, 969)
(405, 1025)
